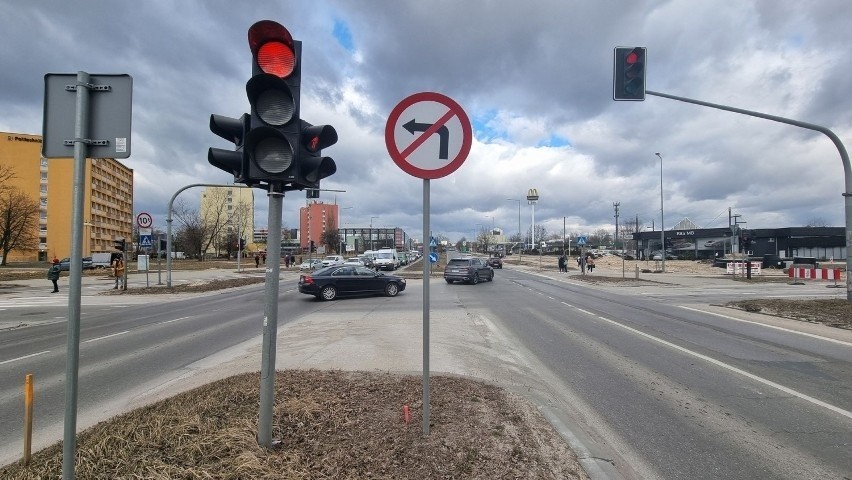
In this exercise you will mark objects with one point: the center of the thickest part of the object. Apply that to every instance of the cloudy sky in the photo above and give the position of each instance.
(535, 79)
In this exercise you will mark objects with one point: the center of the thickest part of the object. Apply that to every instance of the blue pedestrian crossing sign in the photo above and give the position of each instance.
(433, 243)
(581, 240)
(145, 241)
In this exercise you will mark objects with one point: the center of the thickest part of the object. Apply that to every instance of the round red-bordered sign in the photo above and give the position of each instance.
(428, 135)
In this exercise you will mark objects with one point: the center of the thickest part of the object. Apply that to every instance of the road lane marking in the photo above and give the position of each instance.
(820, 337)
(586, 312)
(24, 357)
(107, 336)
(734, 369)
(170, 321)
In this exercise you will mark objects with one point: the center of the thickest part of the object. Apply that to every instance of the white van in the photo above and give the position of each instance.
(387, 259)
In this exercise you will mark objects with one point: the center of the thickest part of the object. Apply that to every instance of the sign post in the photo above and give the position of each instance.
(84, 115)
(428, 135)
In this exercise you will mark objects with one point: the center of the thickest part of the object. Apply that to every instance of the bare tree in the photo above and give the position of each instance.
(331, 238)
(7, 173)
(18, 221)
(816, 222)
(193, 235)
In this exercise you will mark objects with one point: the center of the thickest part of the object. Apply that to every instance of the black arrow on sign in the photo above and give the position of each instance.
(412, 126)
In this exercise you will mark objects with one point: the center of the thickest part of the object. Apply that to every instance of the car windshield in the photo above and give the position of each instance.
(385, 255)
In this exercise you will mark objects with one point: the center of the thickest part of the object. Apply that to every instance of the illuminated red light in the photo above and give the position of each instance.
(276, 58)
(631, 58)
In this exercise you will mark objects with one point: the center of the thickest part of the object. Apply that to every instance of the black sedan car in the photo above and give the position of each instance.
(349, 280)
(495, 262)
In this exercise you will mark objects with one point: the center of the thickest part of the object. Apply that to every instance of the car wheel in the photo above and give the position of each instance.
(491, 278)
(391, 289)
(328, 292)
(448, 280)
(475, 279)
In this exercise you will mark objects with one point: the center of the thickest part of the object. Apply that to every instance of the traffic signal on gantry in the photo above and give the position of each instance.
(628, 82)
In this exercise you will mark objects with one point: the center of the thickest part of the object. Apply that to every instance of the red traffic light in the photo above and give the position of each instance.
(631, 58)
(272, 46)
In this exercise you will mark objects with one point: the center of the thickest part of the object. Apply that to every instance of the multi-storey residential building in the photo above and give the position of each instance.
(107, 202)
(315, 219)
(231, 208)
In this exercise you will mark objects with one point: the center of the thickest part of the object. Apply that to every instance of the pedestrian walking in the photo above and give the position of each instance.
(263, 257)
(562, 267)
(118, 271)
(590, 264)
(256, 261)
(53, 274)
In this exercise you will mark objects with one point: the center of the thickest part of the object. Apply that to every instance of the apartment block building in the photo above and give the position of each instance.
(107, 202)
(232, 207)
(315, 219)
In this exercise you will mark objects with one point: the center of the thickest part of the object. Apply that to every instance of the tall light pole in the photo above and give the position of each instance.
(662, 217)
(371, 232)
(532, 199)
(475, 236)
(520, 235)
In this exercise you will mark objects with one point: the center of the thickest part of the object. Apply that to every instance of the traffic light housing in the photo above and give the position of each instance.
(313, 167)
(233, 130)
(242, 244)
(668, 243)
(119, 245)
(628, 81)
(746, 240)
(313, 247)
(272, 141)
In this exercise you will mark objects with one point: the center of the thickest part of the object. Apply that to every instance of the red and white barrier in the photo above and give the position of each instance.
(835, 274)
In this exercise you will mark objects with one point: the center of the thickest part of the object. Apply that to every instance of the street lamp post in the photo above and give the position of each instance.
(520, 235)
(662, 217)
(371, 232)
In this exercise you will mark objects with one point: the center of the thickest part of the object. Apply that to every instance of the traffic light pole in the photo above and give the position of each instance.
(270, 321)
(844, 157)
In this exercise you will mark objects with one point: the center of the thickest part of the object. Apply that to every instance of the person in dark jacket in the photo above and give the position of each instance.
(53, 274)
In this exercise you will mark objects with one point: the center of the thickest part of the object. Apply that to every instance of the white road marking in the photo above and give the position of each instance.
(734, 369)
(106, 336)
(170, 321)
(768, 326)
(24, 357)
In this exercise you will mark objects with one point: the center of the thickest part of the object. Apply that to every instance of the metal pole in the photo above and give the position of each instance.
(844, 158)
(426, 268)
(270, 319)
(662, 218)
(169, 224)
(81, 132)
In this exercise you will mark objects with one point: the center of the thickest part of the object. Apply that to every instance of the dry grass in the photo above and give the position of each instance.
(332, 425)
(831, 312)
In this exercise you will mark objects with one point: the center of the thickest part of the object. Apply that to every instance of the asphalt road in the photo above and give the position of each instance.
(670, 392)
(641, 381)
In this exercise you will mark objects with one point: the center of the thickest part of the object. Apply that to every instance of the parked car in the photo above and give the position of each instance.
(347, 280)
(65, 264)
(468, 269)
(332, 260)
(495, 262)
(310, 265)
(103, 260)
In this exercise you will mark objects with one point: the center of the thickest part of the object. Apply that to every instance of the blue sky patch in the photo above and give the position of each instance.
(343, 35)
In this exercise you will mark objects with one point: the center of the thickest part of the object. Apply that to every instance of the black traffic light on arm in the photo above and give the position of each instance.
(313, 246)
(232, 130)
(119, 245)
(628, 82)
(272, 140)
(312, 166)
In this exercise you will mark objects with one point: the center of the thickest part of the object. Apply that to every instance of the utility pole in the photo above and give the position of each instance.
(616, 205)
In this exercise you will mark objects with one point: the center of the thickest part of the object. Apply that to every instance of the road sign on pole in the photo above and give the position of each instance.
(109, 110)
(144, 220)
(428, 135)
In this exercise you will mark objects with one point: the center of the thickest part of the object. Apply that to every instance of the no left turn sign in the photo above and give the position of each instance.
(428, 135)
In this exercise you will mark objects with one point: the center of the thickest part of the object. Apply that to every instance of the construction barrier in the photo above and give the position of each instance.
(835, 274)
